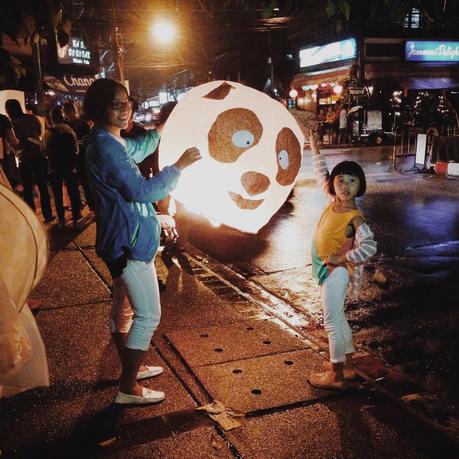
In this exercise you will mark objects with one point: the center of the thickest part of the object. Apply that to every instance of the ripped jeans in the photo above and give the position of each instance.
(136, 308)
(333, 292)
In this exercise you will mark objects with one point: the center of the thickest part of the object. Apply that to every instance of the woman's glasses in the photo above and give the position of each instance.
(121, 104)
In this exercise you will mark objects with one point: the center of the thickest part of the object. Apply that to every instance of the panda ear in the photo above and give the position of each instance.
(219, 92)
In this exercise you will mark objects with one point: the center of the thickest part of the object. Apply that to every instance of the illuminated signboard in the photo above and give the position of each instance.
(74, 52)
(336, 51)
(431, 51)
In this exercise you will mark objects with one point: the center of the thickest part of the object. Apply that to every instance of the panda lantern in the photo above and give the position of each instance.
(251, 147)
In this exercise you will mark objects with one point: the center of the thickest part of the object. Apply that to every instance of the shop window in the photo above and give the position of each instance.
(413, 19)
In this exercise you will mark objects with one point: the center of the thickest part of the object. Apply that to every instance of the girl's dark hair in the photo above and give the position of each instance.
(14, 109)
(348, 168)
(98, 98)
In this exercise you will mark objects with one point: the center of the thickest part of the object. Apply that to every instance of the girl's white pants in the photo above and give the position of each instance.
(333, 292)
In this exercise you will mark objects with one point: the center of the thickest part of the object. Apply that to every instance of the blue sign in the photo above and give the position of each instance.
(336, 51)
(432, 51)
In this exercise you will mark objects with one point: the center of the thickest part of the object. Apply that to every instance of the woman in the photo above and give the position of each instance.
(128, 229)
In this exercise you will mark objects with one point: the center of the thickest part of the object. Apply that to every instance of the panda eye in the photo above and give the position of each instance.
(282, 158)
(233, 133)
(243, 139)
(288, 154)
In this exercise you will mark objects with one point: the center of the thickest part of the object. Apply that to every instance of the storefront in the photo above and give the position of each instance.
(325, 72)
(390, 74)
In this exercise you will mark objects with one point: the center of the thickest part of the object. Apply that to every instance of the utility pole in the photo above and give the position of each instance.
(38, 75)
(270, 59)
(119, 50)
(119, 57)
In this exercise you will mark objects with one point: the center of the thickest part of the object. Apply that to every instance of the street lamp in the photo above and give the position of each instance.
(164, 31)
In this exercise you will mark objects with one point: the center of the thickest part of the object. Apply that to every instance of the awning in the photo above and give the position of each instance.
(325, 76)
(428, 83)
(411, 75)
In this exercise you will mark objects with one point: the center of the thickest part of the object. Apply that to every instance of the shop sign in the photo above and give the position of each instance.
(69, 83)
(357, 91)
(78, 84)
(74, 52)
(333, 52)
(432, 51)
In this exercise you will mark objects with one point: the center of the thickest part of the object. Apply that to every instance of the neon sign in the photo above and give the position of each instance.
(336, 51)
(432, 51)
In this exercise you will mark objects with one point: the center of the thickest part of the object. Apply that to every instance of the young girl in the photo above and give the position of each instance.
(341, 244)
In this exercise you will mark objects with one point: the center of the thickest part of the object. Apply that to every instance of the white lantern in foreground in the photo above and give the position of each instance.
(251, 147)
(23, 255)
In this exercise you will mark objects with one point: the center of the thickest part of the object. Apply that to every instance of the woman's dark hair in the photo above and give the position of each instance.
(14, 109)
(134, 103)
(348, 168)
(98, 98)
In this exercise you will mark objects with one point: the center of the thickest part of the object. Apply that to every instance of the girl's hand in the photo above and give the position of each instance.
(314, 142)
(189, 156)
(336, 260)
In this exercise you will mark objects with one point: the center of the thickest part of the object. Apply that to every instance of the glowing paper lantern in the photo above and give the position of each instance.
(23, 256)
(251, 147)
(23, 246)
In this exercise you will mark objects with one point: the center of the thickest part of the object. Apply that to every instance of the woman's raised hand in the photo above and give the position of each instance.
(189, 156)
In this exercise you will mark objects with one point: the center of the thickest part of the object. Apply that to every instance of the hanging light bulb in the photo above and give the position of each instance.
(337, 89)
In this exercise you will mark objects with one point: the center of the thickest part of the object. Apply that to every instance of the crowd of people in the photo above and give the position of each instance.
(104, 154)
(38, 153)
(334, 125)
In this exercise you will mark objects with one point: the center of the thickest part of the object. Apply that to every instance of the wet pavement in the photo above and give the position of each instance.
(409, 320)
(246, 332)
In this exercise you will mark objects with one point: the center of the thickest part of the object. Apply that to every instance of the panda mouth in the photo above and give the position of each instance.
(245, 203)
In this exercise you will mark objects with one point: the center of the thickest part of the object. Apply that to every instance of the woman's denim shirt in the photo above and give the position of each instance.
(126, 220)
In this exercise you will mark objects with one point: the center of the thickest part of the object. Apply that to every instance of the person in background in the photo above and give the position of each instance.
(8, 141)
(134, 129)
(128, 230)
(343, 132)
(149, 167)
(82, 129)
(329, 122)
(342, 243)
(33, 165)
(321, 118)
(60, 145)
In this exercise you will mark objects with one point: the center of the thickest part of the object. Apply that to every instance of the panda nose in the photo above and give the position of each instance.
(255, 183)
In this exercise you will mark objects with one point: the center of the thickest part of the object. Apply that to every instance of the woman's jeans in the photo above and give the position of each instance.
(136, 309)
(339, 332)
